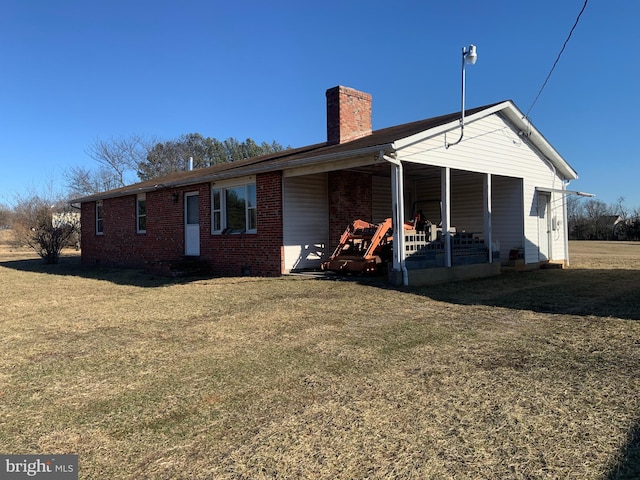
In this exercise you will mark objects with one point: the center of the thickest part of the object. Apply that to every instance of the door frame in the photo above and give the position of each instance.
(191, 230)
(544, 227)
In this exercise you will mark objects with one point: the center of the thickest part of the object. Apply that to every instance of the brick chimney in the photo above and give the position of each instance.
(348, 114)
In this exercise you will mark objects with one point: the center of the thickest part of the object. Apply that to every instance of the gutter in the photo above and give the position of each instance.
(268, 167)
(237, 172)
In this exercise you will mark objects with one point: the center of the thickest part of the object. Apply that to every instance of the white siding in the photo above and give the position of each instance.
(305, 221)
(427, 195)
(381, 201)
(491, 146)
(507, 214)
(467, 206)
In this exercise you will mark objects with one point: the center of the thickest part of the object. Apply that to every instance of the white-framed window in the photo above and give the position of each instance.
(233, 208)
(141, 213)
(99, 218)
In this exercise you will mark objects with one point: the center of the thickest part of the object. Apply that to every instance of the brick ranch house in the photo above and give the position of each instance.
(502, 187)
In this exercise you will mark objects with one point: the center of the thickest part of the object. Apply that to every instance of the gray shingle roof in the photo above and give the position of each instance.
(282, 160)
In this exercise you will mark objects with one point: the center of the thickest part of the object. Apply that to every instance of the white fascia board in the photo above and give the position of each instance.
(447, 127)
(106, 195)
(325, 162)
(329, 157)
(511, 113)
(337, 164)
(318, 161)
(232, 182)
(531, 135)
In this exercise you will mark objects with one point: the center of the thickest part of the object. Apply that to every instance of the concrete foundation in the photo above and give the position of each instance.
(434, 276)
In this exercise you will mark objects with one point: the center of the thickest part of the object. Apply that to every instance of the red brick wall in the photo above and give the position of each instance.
(120, 244)
(91, 243)
(350, 198)
(163, 242)
(348, 114)
(260, 253)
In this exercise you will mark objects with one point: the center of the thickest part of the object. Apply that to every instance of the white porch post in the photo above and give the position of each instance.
(397, 194)
(486, 195)
(394, 213)
(565, 225)
(445, 195)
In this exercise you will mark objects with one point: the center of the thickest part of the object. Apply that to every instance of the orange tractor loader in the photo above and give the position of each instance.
(364, 248)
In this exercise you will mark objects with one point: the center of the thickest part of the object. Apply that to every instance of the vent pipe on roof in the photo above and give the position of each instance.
(190, 163)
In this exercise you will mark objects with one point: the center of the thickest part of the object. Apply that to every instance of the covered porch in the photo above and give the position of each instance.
(465, 223)
(472, 221)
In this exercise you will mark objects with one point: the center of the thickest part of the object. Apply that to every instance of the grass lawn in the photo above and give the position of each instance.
(527, 375)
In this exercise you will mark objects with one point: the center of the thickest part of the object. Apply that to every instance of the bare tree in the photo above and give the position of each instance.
(118, 160)
(82, 181)
(45, 225)
(121, 156)
(575, 217)
(632, 225)
(6, 217)
(598, 216)
(619, 208)
(594, 220)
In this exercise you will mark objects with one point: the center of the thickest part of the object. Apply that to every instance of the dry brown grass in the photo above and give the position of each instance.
(529, 375)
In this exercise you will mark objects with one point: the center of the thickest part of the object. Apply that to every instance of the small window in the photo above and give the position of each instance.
(216, 210)
(233, 209)
(99, 218)
(141, 213)
(252, 213)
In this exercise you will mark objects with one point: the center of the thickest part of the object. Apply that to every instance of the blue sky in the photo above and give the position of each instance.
(74, 71)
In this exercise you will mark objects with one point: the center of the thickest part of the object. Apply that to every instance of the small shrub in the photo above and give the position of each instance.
(44, 227)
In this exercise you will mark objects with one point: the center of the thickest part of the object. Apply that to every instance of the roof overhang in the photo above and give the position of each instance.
(508, 111)
(294, 165)
(532, 136)
(564, 192)
(323, 158)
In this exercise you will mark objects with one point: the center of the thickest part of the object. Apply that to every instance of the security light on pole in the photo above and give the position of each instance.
(469, 56)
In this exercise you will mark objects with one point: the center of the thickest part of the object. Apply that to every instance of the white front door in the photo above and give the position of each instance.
(544, 227)
(191, 224)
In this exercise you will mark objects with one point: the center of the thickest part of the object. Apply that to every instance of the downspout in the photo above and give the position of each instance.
(398, 220)
(565, 224)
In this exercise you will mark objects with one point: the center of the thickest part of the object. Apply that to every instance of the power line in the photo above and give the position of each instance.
(558, 58)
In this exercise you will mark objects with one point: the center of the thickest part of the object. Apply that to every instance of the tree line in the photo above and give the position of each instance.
(592, 219)
(122, 161)
(47, 223)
